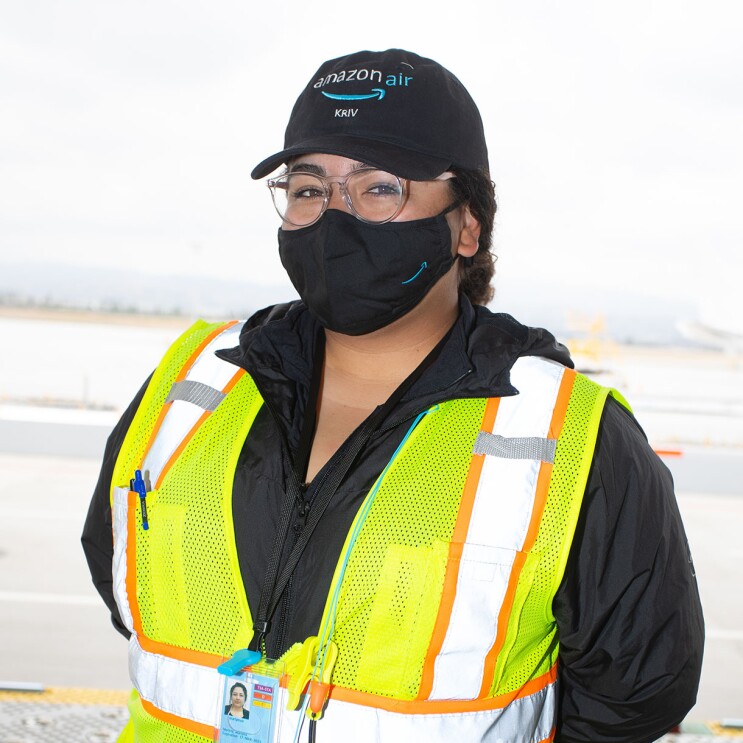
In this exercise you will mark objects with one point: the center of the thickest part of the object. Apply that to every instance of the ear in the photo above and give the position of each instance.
(469, 233)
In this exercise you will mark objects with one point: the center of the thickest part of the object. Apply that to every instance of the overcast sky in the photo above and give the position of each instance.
(128, 130)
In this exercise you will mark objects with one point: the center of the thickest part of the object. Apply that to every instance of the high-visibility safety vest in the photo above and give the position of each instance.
(441, 603)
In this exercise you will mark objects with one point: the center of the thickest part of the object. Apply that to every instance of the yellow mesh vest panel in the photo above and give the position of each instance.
(187, 559)
(189, 585)
(139, 433)
(531, 644)
(392, 587)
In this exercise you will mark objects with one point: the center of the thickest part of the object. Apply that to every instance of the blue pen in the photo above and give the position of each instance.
(138, 486)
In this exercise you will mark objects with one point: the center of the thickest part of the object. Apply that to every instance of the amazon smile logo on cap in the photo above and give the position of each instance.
(396, 80)
(376, 93)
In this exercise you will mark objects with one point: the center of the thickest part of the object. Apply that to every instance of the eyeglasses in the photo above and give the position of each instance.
(372, 195)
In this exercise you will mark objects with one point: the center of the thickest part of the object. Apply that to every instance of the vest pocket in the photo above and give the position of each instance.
(401, 619)
(159, 563)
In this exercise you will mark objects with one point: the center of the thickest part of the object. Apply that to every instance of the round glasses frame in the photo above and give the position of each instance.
(327, 182)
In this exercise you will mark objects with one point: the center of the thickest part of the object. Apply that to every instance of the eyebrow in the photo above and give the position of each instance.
(318, 169)
(306, 168)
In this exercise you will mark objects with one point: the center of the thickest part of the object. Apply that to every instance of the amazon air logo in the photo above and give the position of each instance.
(397, 80)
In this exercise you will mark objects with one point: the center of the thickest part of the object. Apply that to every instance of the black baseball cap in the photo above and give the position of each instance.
(393, 110)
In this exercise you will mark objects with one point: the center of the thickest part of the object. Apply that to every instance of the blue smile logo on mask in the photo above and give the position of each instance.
(423, 267)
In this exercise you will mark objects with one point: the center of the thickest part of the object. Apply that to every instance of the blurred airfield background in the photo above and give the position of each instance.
(126, 210)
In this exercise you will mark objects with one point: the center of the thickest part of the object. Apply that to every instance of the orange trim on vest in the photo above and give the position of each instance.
(442, 619)
(198, 728)
(179, 449)
(551, 736)
(456, 546)
(561, 404)
(233, 381)
(473, 478)
(187, 655)
(195, 355)
(187, 438)
(505, 613)
(540, 501)
(422, 706)
(158, 423)
(132, 503)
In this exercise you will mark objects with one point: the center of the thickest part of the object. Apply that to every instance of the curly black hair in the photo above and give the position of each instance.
(475, 189)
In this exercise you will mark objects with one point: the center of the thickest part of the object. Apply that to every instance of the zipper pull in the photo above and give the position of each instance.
(302, 511)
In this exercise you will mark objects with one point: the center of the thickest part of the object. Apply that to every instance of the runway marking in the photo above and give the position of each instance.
(69, 599)
(63, 695)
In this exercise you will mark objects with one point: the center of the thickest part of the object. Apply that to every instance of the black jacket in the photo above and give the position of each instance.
(628, 612)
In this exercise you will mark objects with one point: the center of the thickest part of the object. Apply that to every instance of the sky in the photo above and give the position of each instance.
(128, 131)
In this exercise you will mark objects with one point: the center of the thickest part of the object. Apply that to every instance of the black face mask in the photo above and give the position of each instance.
(356, 277)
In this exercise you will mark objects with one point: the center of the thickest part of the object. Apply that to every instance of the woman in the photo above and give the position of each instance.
(236, 707)
(400, 493)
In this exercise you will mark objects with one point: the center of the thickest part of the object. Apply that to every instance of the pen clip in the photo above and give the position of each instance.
(138, 486)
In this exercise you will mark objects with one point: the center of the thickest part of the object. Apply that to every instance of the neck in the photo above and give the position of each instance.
(361, 372)
(384, 358)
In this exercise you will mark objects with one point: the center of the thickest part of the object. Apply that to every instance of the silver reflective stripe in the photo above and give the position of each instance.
(528, 719)
(120, 514)
(527, 447)
(176, 686)
(198, 393)
(496, 532)
(196, 692)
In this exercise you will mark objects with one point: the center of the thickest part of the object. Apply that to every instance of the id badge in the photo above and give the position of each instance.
(251, 706)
